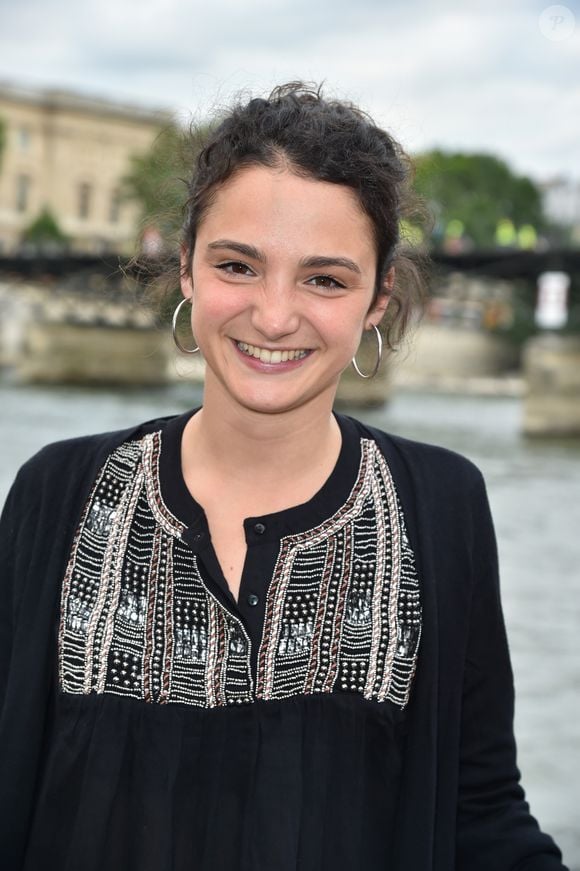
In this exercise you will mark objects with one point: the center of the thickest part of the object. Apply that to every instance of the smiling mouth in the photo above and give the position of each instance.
(267, 356)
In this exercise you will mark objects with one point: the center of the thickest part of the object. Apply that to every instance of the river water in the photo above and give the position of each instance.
(534, 490)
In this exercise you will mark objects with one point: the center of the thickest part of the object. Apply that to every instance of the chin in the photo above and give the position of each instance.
(268, 406)
(279, 402)
(276, 397)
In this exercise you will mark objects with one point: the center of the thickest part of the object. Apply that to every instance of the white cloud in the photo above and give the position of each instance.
(480, 76)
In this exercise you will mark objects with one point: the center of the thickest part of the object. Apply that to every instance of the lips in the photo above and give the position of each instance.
(264, 355)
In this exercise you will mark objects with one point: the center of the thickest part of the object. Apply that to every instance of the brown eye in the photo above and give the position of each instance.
(234, 267)
(327, 282)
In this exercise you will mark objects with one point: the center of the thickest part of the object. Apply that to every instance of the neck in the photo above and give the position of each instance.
(258, 449)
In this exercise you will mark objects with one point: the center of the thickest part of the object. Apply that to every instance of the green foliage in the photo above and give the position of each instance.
(477, 190)
(45, 233)
(156, 180)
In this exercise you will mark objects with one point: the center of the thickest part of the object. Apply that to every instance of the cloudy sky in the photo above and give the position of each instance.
(501, 76)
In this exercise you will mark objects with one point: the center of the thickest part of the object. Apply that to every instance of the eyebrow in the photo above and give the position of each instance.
(240, 247)
(315, 262)
(323, 262)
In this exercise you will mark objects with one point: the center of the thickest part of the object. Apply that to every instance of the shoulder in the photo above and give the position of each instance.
(431, 480)
(443, 495)
(438, 459)
(71, 461)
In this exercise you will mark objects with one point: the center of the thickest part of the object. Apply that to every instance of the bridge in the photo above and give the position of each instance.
(86, 319)
(503, 263)
(108, 290)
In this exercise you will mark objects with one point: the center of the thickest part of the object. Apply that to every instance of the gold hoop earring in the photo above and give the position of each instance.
(174, 329)
(379, 356)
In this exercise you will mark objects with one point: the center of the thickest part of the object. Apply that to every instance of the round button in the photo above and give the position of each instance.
(259, 528)
(253, 599)
(199, 536)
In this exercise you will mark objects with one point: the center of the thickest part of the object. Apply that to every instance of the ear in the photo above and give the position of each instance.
(186, 279)
(376, 313)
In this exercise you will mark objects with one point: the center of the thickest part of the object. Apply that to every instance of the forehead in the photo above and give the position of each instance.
(280, 210)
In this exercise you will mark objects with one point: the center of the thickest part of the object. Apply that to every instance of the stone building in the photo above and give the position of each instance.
(67, 153)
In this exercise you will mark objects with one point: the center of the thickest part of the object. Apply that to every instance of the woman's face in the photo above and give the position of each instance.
(283, 278)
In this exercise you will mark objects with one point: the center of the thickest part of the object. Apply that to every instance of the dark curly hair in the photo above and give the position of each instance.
(329, 140)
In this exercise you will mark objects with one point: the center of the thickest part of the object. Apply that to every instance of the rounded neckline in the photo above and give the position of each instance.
(331, 496)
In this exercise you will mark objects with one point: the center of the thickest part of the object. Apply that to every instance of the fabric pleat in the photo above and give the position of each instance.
(306, 783)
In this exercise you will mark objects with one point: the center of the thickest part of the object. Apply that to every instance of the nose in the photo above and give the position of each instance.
(275, 311)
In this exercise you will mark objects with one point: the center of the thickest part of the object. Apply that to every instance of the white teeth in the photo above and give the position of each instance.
(266, 356)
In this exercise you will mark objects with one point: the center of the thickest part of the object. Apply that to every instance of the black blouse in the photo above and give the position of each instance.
(151, 722)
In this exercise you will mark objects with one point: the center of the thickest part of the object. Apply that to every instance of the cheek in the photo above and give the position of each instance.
(213, 307)
(343, 325)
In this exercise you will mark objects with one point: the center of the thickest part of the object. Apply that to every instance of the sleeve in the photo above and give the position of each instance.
(37, 527)
(17, 524)
(26, 655)
(7, 535)
(495, 829)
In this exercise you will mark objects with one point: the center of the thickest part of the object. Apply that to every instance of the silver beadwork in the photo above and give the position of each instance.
(343, 609)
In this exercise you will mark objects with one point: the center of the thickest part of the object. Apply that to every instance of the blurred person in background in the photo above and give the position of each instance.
(261, 635)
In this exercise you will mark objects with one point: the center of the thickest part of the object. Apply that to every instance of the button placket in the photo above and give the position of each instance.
(261, 557)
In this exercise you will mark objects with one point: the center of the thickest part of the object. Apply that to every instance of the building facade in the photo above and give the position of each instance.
(68, 153)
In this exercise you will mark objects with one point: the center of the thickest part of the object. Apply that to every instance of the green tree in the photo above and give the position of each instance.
(45, 234)
(477, 190)
(156, 180)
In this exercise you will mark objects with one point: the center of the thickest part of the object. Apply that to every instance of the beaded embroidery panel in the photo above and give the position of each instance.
(343, 609)
(136, 617)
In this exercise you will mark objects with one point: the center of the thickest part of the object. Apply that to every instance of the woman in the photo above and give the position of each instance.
(261, 635)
